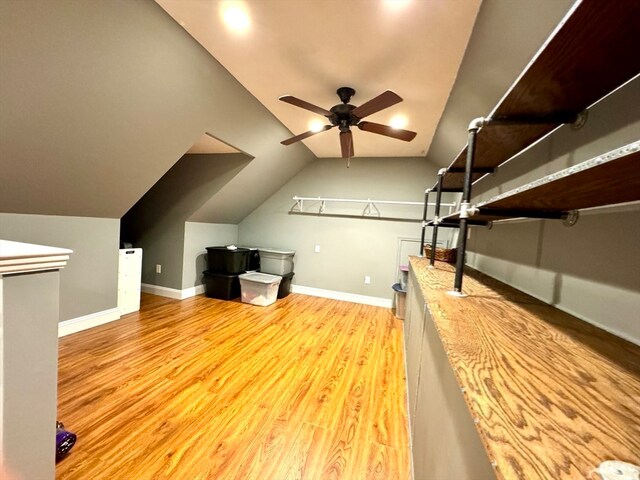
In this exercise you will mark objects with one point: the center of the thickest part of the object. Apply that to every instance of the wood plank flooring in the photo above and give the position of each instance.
(307, 388)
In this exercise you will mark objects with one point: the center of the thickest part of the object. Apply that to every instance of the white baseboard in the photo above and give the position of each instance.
(172, 292)
(67, 327)
(193, 291)
(347, 297)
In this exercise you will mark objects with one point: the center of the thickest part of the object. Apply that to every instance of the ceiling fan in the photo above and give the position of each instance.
(344, 116)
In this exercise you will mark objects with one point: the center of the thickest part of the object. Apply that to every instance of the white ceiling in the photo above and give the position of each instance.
(309, 48)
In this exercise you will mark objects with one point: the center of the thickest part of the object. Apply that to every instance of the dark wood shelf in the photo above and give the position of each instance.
(608, 179)
(591, 54)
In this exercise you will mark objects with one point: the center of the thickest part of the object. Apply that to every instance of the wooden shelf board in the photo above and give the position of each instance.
(608, 179)
(592, 52)
(553, 395)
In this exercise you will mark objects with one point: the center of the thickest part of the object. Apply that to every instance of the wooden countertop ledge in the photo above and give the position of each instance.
(552, 395)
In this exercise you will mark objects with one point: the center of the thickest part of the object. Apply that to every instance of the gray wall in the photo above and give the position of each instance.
(506, 35)
(593, 268)
(89, 282)
(157, 222)
(197, 237)
(98, 99)
(560, 265)
(350, 248)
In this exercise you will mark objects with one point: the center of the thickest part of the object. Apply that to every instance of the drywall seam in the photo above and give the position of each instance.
(74, 325)
(347, 297)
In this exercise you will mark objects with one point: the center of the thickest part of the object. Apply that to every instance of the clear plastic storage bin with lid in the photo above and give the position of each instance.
(259, 288)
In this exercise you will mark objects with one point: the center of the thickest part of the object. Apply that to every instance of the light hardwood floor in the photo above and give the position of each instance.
(308, 388)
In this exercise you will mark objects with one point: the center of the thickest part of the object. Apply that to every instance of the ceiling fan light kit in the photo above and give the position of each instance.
(344, 116)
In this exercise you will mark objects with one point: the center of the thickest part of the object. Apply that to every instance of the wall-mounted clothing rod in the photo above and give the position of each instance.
(368, 200)
(370, 205)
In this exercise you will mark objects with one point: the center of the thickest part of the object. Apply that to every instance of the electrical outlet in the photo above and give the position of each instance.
(367, 280)
(158, 268)
(317, 249)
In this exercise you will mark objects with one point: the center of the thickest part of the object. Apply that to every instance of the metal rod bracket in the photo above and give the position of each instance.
(581, 120)
(467, 210)
(571, 218)
(477, 123)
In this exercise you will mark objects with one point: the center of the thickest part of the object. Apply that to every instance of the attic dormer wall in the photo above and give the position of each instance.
(99, 99)
(156, 223)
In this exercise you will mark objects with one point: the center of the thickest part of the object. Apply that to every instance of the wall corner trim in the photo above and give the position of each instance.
(172, 292)
(74, 325)
(347, 297)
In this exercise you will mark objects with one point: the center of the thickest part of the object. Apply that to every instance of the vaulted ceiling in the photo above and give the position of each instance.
(98, 100)
(310, 48)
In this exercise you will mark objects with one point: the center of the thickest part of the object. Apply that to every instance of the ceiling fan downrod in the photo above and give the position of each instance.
(345, 94)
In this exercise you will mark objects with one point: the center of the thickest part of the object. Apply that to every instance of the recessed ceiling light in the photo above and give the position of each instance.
(396, 4)
(398, 121)
(235, 15)
(316, 125)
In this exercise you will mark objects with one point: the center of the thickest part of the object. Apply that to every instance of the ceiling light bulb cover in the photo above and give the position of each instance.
(396, 4)
(398, 121)
(316, 125)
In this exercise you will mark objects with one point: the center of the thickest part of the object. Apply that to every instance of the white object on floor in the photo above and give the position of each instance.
(615, 470)
(129, 280)
(259, 288)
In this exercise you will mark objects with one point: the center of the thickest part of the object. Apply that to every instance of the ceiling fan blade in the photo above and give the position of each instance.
(306, 105)
(380, 129)
(304, 135)
(346, 144)
(382, 101)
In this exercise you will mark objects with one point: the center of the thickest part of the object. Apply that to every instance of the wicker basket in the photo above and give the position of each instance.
(448, 255)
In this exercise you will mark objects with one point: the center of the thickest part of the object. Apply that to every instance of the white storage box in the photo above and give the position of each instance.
(129, 281)
(259, 288)
(276, 262)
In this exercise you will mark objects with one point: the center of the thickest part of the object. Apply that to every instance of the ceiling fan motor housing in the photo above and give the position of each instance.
(342, 116)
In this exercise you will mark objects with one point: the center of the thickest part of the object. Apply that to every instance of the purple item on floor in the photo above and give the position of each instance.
(64, 441)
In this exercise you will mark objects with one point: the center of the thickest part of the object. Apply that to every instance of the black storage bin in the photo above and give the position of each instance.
(285, 285)
(225, 260)
(221, 285)
(254, 259)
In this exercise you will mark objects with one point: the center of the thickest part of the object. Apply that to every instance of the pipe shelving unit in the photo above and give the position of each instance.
(591, 53)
